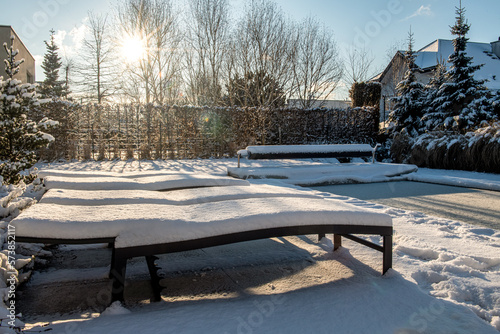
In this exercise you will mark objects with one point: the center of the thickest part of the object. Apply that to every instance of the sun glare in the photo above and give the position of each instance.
(132, 48)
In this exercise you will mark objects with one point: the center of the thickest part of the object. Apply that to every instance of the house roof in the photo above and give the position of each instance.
(430, 55)
(18, 39)
(381, 75)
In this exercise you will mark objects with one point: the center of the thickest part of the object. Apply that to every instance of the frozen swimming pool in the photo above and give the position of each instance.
(472, 206)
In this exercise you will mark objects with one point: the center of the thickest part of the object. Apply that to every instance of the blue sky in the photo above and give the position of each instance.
(375, 25)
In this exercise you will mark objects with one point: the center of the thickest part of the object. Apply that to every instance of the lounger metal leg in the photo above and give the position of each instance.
(387, 262)
(337, 241)
(155, 279)
(117, 274)
(112, 262)
(321, 236)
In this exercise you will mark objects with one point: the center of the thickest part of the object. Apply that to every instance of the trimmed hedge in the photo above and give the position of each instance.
(474, 151)
(365, 94)
(171, 132)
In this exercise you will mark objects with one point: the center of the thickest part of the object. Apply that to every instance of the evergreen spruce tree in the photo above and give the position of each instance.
(432, 98)
(52, 87)
(460, 102)
(495, 102)
(407, 113)
(20, 137)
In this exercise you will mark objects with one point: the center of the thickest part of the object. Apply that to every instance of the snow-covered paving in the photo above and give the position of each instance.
(446, 279)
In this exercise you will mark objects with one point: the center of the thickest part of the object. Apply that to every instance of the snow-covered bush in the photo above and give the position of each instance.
(400, 147)
(476, 150)
(15, 268)
(20, 136)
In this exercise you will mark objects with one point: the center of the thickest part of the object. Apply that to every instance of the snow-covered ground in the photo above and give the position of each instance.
(445, 277)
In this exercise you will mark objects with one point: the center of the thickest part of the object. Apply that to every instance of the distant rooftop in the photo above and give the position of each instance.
(439, 50)
(17, 38)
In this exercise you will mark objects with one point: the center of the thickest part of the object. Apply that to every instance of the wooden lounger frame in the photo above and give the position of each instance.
(121, 255)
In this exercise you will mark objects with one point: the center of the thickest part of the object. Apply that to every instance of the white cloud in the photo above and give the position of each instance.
(422, 11)
(78, 34)
(70, 47)
(59, 37)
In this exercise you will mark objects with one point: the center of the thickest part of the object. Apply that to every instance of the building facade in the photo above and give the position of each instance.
(27, 69)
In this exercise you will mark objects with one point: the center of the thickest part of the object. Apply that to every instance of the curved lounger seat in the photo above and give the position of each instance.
(155, 182)
(149, 229)
(173, 197)
(43, 173)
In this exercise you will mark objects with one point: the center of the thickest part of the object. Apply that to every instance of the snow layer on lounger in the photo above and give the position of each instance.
(146, 224)
(174, 197)
(160, 182)
(75, 173)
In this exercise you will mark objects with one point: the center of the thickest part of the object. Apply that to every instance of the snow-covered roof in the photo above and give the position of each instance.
(439, 50)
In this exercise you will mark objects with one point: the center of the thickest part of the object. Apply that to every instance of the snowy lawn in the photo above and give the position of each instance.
(446, 278)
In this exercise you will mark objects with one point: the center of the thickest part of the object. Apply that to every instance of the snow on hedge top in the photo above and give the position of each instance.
(289, 149)
(159, 182)
(174, 197)
(147, 224)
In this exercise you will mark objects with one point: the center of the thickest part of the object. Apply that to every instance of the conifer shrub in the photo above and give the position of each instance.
(401, 148)
(474, 151)
(365, 94)
(20, 136)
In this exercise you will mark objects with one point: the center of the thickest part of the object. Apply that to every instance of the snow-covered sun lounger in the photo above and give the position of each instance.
(150, 229)
(43, 173)
(314, 174)
(157, 182)
(307, 151)
(173, 197)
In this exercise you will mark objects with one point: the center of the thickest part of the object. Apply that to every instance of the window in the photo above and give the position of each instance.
(29, 77)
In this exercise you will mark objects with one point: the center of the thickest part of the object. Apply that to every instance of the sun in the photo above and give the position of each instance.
(132, 48)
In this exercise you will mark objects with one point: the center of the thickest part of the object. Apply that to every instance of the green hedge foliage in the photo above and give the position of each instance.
(474, 151)
(172, 132)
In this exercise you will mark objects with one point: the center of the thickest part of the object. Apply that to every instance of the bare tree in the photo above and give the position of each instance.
(394, 47)
(317, 67)
(358, 66)
(263, 44)
(395, 69)
(133, 25)
(97, 61)
(154, 23)
(208, 32)
(68, 69)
